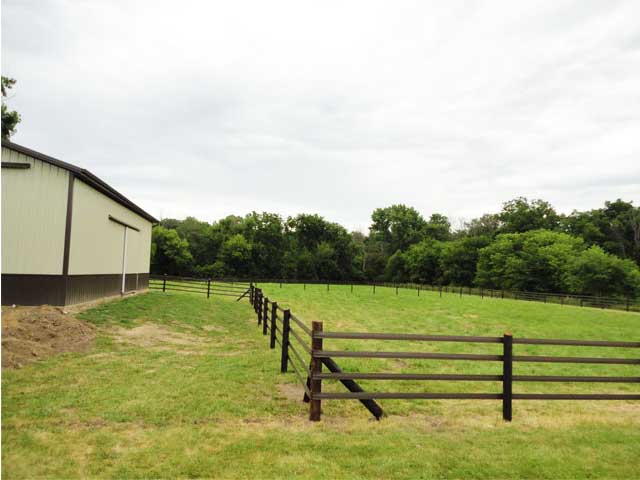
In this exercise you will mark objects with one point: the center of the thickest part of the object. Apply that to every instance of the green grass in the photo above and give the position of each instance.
(204, 397)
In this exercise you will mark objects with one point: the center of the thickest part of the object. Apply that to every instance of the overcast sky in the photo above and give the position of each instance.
(213, 108)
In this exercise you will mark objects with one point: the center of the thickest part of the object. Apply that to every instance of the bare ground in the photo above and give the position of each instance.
(32, 333)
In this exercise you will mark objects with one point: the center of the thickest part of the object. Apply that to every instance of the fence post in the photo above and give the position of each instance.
(316, 368)
(164, 283)
(507, 375)
(374, 288)
(274, 313)
(265, 316)
(286, 319)
(259, 307)
(208, 287)
(396, 290)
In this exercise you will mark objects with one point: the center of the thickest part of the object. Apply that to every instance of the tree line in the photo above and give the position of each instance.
(526, 246)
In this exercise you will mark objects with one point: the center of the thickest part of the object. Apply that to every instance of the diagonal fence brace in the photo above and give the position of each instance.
(352, 386)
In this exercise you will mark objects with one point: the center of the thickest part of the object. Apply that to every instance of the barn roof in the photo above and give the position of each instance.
(84, 175)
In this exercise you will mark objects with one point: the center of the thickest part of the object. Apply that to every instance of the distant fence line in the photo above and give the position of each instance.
(208, 287)
(612, 303)
(297, 339)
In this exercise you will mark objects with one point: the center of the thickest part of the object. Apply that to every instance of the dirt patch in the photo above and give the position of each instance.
(158, 337)
(291, 391)
(214, 328)
(32, 333)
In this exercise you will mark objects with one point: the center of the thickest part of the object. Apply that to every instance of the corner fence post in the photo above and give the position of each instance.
(284, 358)
(208, 287)
(316, 368)
(274, 312)
(507, 376)
(164, 283)
(265, 316)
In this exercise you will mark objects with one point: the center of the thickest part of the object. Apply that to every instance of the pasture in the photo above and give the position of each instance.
(183, 386)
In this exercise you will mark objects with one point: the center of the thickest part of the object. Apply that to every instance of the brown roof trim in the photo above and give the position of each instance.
(84, 175)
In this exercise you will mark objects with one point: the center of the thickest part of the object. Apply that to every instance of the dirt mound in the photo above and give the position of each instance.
(31, 333)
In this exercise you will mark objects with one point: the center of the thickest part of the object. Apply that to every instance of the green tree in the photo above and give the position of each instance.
(306, 265)
(169, 253)
(533, 261)
(438, 227)
(595, 272)
(486, 225)
(398, 227)
(423, 262)
(615, 228)
(521, 215)
(10, 118)
(326, 265)
(459, 259)
(202, 245)
(265, 232)
(396, 268)
(235, 255)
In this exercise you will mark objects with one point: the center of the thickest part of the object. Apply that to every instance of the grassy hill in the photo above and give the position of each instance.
(178, 385)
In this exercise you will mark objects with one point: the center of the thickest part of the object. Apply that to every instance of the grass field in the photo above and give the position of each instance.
(181, 386)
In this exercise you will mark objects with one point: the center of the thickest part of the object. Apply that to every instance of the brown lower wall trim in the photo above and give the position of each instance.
(60, 290)
(32, 289)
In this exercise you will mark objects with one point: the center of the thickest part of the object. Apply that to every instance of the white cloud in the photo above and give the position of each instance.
(333, 107)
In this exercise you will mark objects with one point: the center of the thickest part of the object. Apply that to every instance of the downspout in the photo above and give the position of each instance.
(124, 261)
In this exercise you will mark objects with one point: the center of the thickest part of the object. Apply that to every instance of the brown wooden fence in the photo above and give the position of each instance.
(207, 286)
(302, 345)
(613, 303)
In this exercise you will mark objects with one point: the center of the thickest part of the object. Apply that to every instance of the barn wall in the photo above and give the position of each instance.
(34, 210)
(96, 241)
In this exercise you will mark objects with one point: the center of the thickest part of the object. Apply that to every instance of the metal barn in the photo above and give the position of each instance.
(67, 236)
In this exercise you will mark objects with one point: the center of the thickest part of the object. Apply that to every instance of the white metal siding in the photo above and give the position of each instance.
(96, 241)
(34, 212)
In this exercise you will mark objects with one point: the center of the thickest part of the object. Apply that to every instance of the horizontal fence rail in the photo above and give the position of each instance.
(208, 287)
(303, 349)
